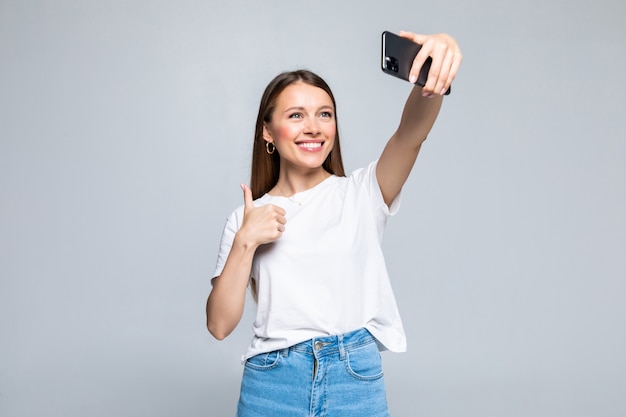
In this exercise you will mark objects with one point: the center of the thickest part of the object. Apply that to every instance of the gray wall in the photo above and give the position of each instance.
(125, 131)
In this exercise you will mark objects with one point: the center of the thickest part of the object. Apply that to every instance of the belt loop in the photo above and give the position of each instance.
(342, 350)
(285, 352)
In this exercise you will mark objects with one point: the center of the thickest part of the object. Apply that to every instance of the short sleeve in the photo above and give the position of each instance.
(367, 179)
(231, 227)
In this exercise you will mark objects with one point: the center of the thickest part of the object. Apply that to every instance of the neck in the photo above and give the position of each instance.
(290, 183)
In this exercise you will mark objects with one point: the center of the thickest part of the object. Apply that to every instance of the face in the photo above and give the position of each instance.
(303, 126)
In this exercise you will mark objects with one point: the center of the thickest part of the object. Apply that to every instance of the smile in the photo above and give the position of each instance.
(310, 145)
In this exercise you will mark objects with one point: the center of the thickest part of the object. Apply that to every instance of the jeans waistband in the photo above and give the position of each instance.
(328, 345)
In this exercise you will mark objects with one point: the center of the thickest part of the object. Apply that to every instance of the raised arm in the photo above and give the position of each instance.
(420, 111)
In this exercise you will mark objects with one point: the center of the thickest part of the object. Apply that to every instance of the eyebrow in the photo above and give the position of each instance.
(300, 108)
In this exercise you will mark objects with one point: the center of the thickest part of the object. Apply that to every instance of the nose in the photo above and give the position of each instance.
(311, 127)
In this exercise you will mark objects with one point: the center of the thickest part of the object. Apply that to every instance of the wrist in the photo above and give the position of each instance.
(244, 242)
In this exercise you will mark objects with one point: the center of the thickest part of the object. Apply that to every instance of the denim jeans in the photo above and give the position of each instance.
(334, 376)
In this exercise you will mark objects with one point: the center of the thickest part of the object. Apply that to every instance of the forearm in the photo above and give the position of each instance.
(225, 304)
(398, 157)
(261, 225)
(420, 112)
(418, 118)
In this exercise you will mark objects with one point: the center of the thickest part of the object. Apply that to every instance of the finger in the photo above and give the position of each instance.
(441, 85)
(415, 37)
(421, 56)
(454, 68)
(438, 73)
(247, 197)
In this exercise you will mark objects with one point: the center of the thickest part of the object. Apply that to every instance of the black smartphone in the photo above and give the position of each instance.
(398, 55)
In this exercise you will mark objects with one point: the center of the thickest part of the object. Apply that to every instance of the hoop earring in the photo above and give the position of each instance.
(268, 149)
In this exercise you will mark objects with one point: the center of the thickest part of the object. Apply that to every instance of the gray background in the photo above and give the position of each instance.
(125, 131)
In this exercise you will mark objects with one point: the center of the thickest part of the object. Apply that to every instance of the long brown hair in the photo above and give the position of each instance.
(265, 166)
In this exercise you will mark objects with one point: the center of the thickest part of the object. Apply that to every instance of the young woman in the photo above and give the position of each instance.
(308, 242)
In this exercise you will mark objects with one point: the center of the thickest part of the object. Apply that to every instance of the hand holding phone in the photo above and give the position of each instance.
(398, 54)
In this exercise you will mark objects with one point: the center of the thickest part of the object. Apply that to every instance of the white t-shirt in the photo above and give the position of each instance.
(326, 275)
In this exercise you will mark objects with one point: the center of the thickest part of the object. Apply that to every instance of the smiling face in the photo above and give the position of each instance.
(302, 127)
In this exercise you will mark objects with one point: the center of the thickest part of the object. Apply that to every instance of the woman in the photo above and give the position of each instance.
(308, 241)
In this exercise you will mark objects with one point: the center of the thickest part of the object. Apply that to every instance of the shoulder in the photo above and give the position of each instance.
(366, 180)
(365, 174)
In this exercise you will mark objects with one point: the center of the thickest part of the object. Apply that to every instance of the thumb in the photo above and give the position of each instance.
(415, 37)
(247, 197)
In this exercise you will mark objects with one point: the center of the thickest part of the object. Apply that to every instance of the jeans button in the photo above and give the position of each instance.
(318, 345)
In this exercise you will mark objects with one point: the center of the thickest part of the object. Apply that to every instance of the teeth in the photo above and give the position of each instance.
(312, 145)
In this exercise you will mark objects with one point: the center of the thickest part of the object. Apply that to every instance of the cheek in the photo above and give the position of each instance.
(286, 132)
(331, 131)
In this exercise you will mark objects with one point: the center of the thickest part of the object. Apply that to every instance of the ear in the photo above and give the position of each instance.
(267, 135)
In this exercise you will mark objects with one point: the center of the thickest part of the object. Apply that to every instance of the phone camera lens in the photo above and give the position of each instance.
(391, 63)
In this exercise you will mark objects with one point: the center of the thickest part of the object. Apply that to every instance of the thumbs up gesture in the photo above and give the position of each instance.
(263, 224)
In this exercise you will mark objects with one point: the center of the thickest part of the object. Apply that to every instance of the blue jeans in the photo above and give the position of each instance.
(334, 376)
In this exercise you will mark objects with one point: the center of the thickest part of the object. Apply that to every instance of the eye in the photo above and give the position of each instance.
(295, 116)
(326, 115)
